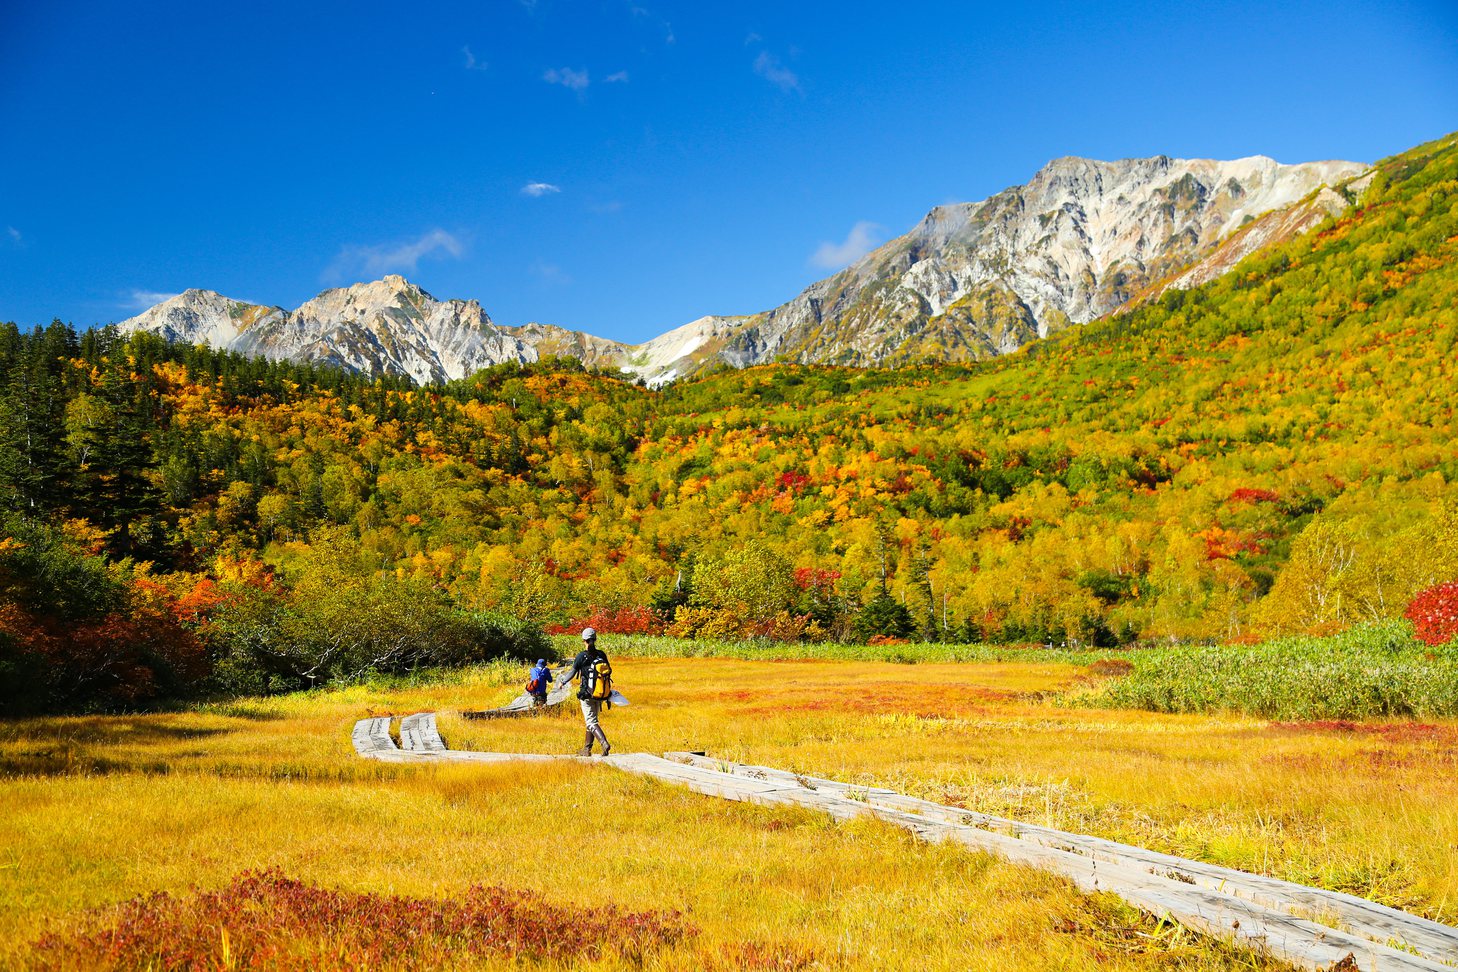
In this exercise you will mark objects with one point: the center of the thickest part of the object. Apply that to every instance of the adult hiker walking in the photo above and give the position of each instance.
(592, 667)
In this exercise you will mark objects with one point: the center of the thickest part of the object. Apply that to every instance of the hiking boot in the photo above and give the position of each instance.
(606, 750)
(585, 751)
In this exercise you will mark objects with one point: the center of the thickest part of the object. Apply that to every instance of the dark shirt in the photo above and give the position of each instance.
(580, 664)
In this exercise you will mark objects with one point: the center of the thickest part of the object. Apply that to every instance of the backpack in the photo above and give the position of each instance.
(597, 679)
(535, 684)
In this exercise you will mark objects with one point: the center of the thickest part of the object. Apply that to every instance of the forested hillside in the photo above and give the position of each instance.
(1273, 451)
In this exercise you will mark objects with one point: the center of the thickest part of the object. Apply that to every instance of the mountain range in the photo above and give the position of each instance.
(1082, 239)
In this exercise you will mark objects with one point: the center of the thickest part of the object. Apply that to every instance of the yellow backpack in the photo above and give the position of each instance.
(599, 678)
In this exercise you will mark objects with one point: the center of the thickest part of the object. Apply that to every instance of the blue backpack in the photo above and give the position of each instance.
(538, 681)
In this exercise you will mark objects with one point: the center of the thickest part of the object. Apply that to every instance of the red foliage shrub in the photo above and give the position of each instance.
(198, 605)
(1111, 667)
(792, 481)
(264, 919)
(621, 621)
(812, 578)
(116, 661)
(885, 640)
(1434, 613)
(1248, 494)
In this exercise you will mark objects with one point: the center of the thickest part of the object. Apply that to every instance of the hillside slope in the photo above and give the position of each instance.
(1274, 450)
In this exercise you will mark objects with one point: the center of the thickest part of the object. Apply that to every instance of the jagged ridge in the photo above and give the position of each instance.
(1082, 239)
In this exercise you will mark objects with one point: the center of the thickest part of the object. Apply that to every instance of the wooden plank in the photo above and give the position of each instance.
(418, 733)
(524, 704)
(1293, 939)
(1358, 915)
(372, 736)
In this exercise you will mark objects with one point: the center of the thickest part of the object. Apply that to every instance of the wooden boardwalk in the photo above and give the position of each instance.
(524, 704)
(1309, 927)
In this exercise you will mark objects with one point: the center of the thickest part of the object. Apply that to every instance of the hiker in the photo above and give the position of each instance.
(592, 666)
(539, 679)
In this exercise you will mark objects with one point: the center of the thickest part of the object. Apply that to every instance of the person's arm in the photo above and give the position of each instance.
(570, 673)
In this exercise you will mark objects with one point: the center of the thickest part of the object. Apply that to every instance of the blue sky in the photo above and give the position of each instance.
(624, 166)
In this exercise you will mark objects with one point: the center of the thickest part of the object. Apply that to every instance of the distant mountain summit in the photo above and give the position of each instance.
(1080, 240)
(1077, 242)
(387, 326)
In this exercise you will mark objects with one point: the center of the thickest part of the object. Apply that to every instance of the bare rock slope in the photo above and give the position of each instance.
(1077, 242)
(1082, 239)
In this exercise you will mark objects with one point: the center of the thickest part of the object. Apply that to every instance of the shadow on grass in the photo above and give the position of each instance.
(44, 747)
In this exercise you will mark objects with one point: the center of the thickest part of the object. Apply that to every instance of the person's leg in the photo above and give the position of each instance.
(597, 726)
(589, 716)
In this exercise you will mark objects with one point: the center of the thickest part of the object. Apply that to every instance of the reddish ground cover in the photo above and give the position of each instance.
(263, 919)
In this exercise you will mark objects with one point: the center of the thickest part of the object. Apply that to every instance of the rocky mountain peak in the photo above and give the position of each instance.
(1080, 239)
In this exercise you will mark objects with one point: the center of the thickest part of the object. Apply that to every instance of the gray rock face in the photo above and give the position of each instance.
(389, 326)
(203, 317)
(1077, 242)
(972, 280)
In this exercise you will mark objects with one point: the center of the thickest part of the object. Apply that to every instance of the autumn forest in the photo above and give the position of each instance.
(1271, 453)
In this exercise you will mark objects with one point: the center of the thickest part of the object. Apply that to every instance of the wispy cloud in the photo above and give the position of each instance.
(605, 208)
(14, 235)
(550, 273)
(539, 189)
(568, 78)
(472, 64)
(769, 67)
(143, 299)
(383, 258)
(616, 77)
(647, 16)
(752, 38)
(862, 239)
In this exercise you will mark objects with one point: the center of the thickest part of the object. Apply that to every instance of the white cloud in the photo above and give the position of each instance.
(143, 299)
(471, 63)
(539, 189)
(753, 38)
(14, 235)
(383, 258)
(605, 208)
(616, 76)
(568, 78)
(863, 238)
(769, 67)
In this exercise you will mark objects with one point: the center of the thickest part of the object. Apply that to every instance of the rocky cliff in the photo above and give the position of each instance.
(1080, 240)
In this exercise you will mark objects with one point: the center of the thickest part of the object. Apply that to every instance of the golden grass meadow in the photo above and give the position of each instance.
(100, 810)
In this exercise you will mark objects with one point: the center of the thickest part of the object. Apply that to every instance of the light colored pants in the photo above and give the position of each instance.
(590, 710)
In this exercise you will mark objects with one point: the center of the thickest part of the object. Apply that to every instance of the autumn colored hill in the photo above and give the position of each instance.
(1272, 451)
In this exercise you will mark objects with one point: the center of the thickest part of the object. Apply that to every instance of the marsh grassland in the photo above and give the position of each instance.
(101, 810)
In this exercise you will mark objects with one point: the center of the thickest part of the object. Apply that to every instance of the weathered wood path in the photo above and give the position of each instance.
(524, 703)
(1308, 927)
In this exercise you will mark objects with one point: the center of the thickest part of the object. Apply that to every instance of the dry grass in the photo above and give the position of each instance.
(99, 810)
(1360, 807)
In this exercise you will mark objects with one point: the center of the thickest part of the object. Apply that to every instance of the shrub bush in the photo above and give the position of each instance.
(1375, 670)
(1434, 614)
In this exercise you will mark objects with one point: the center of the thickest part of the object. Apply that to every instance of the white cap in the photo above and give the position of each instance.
(588, 634)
